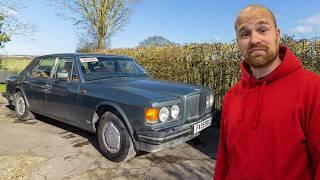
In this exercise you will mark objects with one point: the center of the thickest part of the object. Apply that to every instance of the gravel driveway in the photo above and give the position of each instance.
(47, 149)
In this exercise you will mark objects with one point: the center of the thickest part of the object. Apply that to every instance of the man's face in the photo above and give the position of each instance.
(257, 37)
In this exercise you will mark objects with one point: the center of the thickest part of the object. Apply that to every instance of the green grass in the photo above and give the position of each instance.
(2, 88)
(14, 64)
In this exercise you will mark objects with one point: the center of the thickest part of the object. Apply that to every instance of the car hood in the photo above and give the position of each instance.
(152, 89)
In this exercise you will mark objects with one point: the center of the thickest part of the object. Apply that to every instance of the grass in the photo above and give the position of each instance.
(14, 64)
(2, 88)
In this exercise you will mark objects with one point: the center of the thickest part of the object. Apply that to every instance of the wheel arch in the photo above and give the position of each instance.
(17, 89)
(117, 110)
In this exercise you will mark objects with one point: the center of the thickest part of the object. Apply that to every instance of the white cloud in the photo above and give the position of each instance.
(308, 25)
(313, 20)
(12, 12)
(302, 29)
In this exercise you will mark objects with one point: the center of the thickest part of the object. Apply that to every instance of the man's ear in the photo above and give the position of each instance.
(279, 35)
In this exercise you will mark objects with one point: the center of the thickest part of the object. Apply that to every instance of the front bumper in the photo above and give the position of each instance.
(156, 140)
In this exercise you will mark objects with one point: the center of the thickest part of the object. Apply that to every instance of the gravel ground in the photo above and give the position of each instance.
(46, 149)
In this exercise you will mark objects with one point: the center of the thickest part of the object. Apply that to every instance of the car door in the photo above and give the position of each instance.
(35, 83)
(62, 97)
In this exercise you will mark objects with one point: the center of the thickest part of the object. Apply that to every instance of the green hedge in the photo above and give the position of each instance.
(212, 65)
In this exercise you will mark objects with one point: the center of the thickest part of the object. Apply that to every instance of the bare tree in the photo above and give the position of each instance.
(101, 19)
(10, 23)
(155, 41)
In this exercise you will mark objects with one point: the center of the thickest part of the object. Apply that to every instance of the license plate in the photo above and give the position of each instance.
(201, 125)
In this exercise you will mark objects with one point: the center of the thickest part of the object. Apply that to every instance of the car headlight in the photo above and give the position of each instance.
(164, 114)
(211, 101)
(175, 111)
(207, 102)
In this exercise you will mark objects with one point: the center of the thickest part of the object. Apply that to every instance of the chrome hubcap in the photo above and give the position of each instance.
(112, 137)
(20, 105)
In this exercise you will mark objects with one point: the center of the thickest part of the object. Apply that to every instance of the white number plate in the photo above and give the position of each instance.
(202, 125)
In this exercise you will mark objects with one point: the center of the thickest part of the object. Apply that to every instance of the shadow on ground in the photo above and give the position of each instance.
(207, 142)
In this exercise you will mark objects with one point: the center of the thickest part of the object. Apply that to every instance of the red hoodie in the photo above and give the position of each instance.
(270, 128)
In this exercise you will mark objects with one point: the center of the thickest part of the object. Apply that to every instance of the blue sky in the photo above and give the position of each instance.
(181, 21)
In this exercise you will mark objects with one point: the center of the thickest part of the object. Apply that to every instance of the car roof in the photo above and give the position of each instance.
(85, 55)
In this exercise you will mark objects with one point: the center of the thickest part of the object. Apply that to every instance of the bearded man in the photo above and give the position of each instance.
(270, 127)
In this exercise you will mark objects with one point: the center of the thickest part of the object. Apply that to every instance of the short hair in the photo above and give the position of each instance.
(259, 7)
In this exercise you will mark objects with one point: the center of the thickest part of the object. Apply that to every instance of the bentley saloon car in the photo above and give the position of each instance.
(113, 97)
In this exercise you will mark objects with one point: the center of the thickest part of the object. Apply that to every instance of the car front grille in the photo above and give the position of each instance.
(195, 106)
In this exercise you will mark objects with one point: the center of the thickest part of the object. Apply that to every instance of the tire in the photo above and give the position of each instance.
(118, 146)
(22, 111)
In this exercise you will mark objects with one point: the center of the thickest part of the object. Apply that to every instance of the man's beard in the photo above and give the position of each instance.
(261, 60)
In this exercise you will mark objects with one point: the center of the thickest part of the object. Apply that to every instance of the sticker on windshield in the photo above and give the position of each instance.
(89, 59)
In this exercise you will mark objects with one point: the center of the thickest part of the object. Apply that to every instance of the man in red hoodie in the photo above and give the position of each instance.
(270, 127)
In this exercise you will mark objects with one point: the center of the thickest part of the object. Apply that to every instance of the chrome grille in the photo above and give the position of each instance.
(196, 105)
(193, 108)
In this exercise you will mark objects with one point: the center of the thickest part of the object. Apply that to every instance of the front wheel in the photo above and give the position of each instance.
(22, 111)
(114, 139)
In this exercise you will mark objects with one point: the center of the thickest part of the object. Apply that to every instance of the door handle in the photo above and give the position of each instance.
(26, 82)
(83, 91)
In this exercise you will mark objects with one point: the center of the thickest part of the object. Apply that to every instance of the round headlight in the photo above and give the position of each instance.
(207, 102)
(211, 100)
(164, 114)
(175, 111)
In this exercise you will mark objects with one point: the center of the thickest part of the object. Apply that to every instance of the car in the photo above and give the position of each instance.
(113, 97)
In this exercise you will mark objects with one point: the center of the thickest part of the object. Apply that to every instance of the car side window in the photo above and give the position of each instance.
(66, 69)
(43, 68)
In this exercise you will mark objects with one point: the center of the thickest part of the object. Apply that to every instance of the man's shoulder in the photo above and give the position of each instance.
(309, 77)
(234, 90)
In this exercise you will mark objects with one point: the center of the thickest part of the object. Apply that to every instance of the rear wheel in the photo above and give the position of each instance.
(114, 139)
(22, 111)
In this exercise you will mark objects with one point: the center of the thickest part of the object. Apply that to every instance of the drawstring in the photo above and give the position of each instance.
(259, 105)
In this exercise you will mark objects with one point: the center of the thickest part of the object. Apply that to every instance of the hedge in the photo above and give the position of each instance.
(212, 65)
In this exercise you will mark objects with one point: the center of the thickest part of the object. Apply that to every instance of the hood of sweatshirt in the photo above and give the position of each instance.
(290, 63)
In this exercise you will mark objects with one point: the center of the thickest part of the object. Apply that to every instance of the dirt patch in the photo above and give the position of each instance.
(164, 159)
(81, 144)
(18, 166)
(113, 174)
(30, 122)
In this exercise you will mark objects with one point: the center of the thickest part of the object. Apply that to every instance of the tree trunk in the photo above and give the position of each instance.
(101, 43)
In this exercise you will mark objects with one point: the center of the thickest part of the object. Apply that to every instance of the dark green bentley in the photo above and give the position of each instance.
(113, 97)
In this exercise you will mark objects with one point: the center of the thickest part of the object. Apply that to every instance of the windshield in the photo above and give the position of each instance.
(94, 68)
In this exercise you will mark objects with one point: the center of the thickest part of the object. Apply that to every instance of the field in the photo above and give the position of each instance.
(14, 63)
(2, 88)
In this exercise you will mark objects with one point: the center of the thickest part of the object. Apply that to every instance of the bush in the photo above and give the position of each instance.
(212, 65)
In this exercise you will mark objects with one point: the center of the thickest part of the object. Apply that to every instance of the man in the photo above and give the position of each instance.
(270, 125)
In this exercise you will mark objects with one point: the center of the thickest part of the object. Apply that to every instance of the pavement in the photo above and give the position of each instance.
(45, 149)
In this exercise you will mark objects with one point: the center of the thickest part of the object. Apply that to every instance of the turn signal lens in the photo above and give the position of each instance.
(151, 115)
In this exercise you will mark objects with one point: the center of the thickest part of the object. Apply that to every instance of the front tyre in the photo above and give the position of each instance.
(22, 111)
(114, 139)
